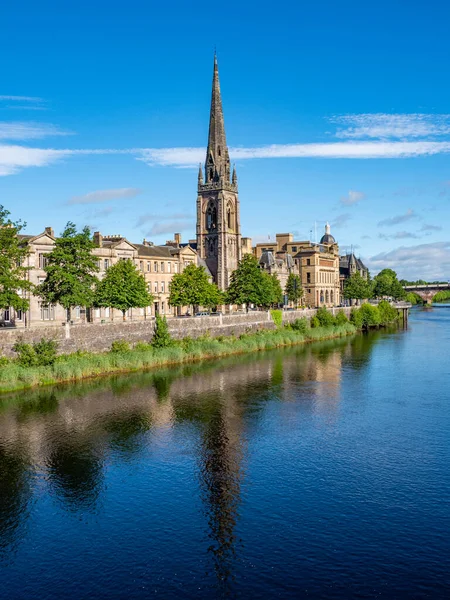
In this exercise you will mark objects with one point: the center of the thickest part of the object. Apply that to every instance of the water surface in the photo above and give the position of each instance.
(320, 471)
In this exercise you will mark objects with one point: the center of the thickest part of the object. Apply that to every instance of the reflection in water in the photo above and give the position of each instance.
(15, 493)
(72, 432)
(75, 471)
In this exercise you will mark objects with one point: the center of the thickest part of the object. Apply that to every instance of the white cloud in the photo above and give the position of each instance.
(431, 227)
(341, 220)
(15, 158)
(190, 157)
(400, 235)
(105, 195)
(410, 214)
(353, 197)
(17, 130)
(425, 261)
(398, 126)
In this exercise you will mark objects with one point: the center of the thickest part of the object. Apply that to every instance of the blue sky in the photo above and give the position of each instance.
(334, 111)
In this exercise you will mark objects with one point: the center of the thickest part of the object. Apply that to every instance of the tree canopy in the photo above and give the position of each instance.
(357, 288)
(250, 285)
(192, 287)
(123, 287)
(70, 270)
(294, 290)
(13, 272)
(386, 284)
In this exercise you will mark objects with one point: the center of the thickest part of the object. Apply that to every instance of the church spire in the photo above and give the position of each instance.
(217, 166)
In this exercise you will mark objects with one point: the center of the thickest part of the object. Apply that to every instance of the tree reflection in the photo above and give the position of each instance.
(15, 494)
(125, 429)
(75, 470)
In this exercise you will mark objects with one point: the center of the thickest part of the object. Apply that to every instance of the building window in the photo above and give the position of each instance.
(162, 308)
(97, 313)
(294, 248)
(309, 290)
(175, 268)
(141, 265)
(47, 312)
(162, 267)
(107, 312)
(162, 287)
(155, 267)
(6, 314)
(106, 263)
(43, 261)
(19, 315)
(77, 312)
(308, 261)
(148, 266)
(308, 277)
(156, 287)
(169, 267)
(99, 265)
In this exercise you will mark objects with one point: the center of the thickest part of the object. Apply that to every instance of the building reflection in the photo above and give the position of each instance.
(69, 432)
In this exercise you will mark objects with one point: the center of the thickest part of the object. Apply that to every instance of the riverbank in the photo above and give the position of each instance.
(77, 366)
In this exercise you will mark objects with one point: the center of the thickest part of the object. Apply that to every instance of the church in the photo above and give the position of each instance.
(219, 242)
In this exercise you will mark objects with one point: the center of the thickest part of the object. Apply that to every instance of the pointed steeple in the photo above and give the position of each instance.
(234, 176)
(200, 173)
(217, 165)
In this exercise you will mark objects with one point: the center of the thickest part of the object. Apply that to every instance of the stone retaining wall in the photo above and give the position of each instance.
(96, 337)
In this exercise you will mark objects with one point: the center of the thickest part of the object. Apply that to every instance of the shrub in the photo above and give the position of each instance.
(277, 317)
(3, 361)
(324, 317)
(356, 318)
(46, 352)
(142, 347)
(26, 354)
(120, 346)
(300, 325)
(340, 318)
(314, 322)
(366, 316)
(388, 313)
(161, 338)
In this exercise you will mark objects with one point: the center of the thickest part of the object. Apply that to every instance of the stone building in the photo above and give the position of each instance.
(279, 263)
(219, 241)
(348, 265)
(158, 265)
(316, 264)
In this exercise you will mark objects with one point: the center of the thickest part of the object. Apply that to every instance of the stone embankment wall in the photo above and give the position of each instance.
(96, 337)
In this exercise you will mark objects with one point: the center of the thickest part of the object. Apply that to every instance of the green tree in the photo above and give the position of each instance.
(276, 291)
(70, 270)
(294, 290)
(161, 337)
(249, 284)
(13, 273)
(123, 287)
(387, 284)
(357, 288)
(192, 287)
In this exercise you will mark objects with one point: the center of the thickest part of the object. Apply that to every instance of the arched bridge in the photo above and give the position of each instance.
(427, 291)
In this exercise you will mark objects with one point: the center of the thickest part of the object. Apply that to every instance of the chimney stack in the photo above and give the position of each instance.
(49, 231)
(98, 239)
(177, 238)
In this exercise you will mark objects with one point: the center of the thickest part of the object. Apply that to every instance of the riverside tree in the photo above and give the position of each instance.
(357, 287)
(277, 292)
(70, 270)
(386, 284)
(13, 273)
(192, 287)
(123, 287)
(249, 284)
(294, 290)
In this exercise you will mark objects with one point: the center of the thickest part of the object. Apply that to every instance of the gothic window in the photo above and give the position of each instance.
(331, 296)
(211, 218)
(211, 174)
(326, 297)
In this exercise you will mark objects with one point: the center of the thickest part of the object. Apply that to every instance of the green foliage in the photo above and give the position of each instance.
(386, 284)
(324, 317)
(142, 347)
(388, 314)
(294, 290)
(341, 318)
(414, 298)
(123, 287)
(4, 361)
(300, 325)
(442, 296)
(13, 273)
(276, 291)
(370, 316)
(40, 354)
(356, 318)
(70, 270)
(357, 288)
(161, 337)
(250, 285)
(314, 322)
(277, 317)
(120, 346)
(192, 287)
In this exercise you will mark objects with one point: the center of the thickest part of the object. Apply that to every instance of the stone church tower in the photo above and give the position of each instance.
(218, 219)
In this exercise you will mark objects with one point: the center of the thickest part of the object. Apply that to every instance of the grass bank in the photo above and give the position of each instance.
(74, 367)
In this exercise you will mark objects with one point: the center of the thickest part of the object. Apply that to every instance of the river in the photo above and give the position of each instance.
(320, 471)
